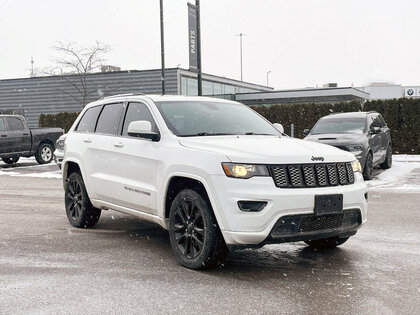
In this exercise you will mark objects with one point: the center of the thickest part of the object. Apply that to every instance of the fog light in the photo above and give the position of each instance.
(251, 206)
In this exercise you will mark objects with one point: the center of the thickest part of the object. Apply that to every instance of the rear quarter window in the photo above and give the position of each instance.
(88, 121)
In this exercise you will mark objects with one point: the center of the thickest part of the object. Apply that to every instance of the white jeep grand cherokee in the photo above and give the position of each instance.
(213, 172)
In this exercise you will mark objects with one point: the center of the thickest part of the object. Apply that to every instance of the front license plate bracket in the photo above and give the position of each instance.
(328, 204)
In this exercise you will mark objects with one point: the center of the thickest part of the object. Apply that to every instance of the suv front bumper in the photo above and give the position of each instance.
(289, 213)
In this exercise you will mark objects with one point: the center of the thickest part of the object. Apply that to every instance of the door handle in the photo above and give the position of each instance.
(119, 144)
(25, 134)
(87, 140)
(3, 136)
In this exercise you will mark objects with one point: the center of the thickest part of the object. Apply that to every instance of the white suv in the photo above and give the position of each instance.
(213, 172)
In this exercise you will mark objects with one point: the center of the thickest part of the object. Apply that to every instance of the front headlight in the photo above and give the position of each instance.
(355, 149)
(244, 170)
(357, 167)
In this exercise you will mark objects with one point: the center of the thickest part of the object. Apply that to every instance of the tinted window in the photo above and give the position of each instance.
(376, 122)
(109, 119)
(382, 120)
(138, 111)
(88, 121)
(2, 127)
(15, 124)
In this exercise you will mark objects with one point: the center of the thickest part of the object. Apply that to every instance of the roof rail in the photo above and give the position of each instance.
(119, 95)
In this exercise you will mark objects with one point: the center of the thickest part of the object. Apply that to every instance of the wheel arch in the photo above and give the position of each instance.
(178, 182)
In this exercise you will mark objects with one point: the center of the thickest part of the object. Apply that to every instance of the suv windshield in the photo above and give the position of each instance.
(326, 126)
(204, 118)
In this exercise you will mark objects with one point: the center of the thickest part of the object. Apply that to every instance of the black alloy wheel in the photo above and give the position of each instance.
(368, 170)
(80, 211)
(195, 237)
(74, 199)
(189, 228)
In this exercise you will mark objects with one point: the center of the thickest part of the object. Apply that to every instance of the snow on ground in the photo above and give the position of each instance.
(28, 167)
(401, 176)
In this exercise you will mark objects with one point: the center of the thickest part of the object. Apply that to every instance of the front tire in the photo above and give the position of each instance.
(388, 159)
(11, 160)
(80, 211)
(195, 237)
(368, 170)
(326, 243)
(45, 153)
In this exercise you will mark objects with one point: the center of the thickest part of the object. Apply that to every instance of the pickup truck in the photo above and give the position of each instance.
(17, 140)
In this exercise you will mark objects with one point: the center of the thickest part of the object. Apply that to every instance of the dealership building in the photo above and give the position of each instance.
(31, 97)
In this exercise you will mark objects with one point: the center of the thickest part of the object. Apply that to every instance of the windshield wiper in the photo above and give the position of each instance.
(257, 134)
(202, 134)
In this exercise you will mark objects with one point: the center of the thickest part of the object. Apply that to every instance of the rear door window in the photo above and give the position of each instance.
(88, 121)
(15, 124)
(109, 119)
(138, 111)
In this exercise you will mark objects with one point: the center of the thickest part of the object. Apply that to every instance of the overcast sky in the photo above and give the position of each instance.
(303, 43)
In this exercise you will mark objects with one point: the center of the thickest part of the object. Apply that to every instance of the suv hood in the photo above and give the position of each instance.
(337, 139)
(267, 149)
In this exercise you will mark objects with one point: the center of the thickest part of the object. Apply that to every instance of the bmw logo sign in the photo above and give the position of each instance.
(410, 92)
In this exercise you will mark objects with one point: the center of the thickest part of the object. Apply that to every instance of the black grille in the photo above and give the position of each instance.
(312, 175)
(295, 225)
(322, 222)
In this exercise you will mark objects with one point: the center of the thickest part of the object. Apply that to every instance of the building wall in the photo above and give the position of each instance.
(54, 94)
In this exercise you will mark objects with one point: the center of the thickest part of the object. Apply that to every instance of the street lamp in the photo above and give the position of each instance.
(240, 39)
(268, 72)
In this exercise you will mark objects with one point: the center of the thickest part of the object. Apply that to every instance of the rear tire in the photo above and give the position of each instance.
(388, 159)
(368, 170)
(80, 211)
(11, 160)
(326, 243)
(44, 154)
(195, 237)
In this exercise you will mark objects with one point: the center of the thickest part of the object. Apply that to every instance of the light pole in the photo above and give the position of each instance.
(268, 72)
(240, 40)
(162, 47)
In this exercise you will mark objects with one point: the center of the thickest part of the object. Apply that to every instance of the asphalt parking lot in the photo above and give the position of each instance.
(124, 265)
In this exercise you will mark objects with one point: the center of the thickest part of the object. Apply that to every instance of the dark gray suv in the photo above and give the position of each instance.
(365, 134)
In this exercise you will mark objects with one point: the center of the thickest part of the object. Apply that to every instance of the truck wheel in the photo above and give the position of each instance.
(11, 160)
(195, 237)
(388, 159)
(327, 243)
(44, 154)
(80, 211)
(368, 170)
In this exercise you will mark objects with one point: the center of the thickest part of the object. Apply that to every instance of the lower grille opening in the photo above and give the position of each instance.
(294, 225)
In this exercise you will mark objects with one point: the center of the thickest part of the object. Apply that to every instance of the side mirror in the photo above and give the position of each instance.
(142, 129)
(279, 127)
(375, 130)
(306, 132)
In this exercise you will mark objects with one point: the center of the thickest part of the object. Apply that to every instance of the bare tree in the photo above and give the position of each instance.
(74, 63)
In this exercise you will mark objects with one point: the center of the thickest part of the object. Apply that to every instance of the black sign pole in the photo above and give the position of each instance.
(200, 90)
(162, 47)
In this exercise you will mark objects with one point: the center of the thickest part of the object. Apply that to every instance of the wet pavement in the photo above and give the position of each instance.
(124, 265)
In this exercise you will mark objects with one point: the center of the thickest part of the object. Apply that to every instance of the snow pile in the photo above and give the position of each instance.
(400, 176)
